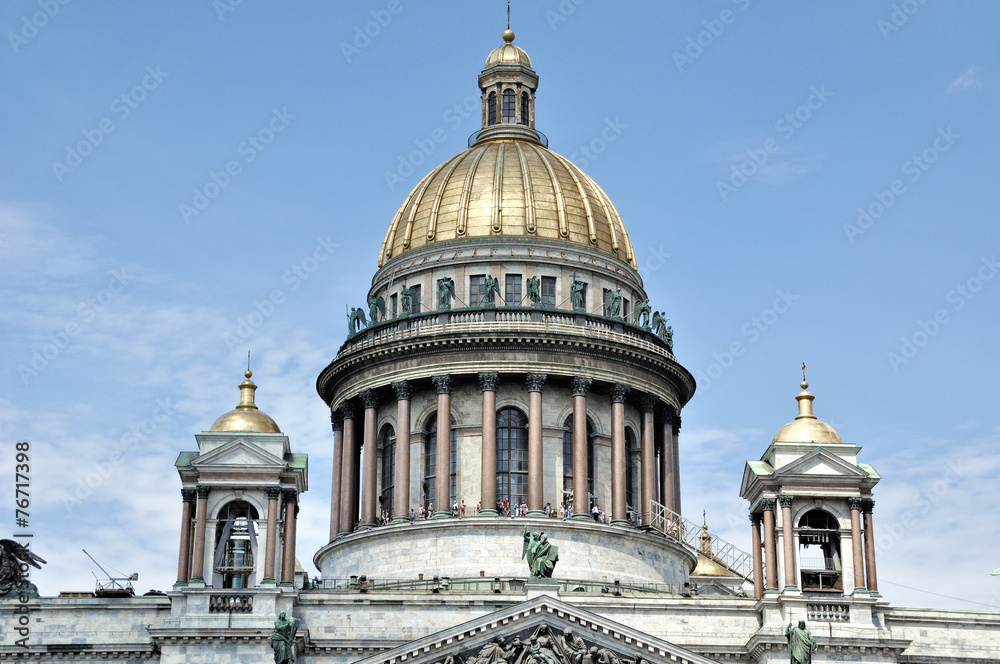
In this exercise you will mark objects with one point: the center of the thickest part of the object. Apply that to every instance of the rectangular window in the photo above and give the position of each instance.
(477, 288)
(625, 308)
(415, 302)
(549, 291)
(512, 290)
(394, 304)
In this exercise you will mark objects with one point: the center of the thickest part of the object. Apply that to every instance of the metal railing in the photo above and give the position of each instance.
(688, 533)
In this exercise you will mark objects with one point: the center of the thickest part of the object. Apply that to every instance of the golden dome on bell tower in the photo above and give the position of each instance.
(246, 417)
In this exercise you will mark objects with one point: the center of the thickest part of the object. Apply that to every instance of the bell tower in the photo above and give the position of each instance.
(508, 85)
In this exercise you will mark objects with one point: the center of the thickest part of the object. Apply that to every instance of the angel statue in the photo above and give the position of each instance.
(354, 319)
(376, 308)
(659, 324)
(13, 558)
(446, 292)
(406, 296)
(613, 302)
(534, 290)
(492, 289)
(541, 553)
(642, 313)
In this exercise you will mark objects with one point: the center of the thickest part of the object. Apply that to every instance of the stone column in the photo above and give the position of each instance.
(401, 480)
(758, 566)
(348, 475)
(271, 544)
(201, 521)
(581, 502)
(619, 515)
(867, 506)
(369, 479)
(536, 484)
(647, 456)
(337, 422)
(857, 556)
(667, 494)
(184, 559)
(288, 546)
(488, 491)
(675, 453)
(788, 541)
(442, 466)
(770, 557)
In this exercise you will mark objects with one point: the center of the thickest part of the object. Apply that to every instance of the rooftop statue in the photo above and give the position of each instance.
(542, 554)
(13, 558)
(642, 313)
(283, 639)
(492, 289)
(376, 308)
(577, 293)
(355, 319)
(613, 303)
(406, 299)
(801, 644)
(534, 285)
(446, 292)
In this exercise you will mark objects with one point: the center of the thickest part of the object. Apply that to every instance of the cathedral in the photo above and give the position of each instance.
(505, 417)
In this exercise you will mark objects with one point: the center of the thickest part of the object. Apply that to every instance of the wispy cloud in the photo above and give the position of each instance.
(965, 81)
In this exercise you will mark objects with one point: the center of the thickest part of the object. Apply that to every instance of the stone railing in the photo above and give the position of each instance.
(828, 612)
(438, 585)
(523, 319)
(230, 604)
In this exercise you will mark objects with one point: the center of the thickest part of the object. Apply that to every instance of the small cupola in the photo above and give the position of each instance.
(508, 85)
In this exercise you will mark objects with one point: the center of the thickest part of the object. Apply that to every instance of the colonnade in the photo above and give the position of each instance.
(191, 563)
(346, 452)
(862, 546)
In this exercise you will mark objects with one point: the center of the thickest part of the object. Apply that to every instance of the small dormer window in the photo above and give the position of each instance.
(508, 106)
(524, 108)
(492, 109)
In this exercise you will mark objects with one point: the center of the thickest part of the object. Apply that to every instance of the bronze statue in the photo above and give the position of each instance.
(613, 303)
(801, 643)
(14, 556)
(376, 308)
(283, 639)
(668, 336)
(577, 293)
(534, 285)
(642, 313)
(542, 554)
(659, 324)
(354, 319)
(446, 292)
(492, 289)
(406, 299)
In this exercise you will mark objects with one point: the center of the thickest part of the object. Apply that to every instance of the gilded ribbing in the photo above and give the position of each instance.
(450, 168)
(607, 212)
(496, 213)
(529, 204)
(560, 207)
(463, 208)
(583, 197)
(390, 237)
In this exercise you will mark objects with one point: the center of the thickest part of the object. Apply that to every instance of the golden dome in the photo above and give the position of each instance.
(706, 566)
(246, 416)
(806, 428)
(508, 54)
(508, 187)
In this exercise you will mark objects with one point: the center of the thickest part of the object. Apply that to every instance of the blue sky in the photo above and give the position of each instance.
(168, 168)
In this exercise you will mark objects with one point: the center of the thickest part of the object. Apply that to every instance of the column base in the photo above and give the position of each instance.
(770, 591)
(197, 583)
(441, 515)
(582, 517)
(366, 526)
(860, 591)
(488, 512)
(342, 534)
(620, 522)
(536, 514)
(180, 584)
(874, 593)
(400, 520)
(268, 581)
(286, 584)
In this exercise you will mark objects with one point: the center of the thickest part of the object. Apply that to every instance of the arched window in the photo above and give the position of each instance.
(819, 551)
(236, 544)
(568, 462)
(491, 106)
(630, 493)
(430, 459)
(524, 108)
(387, 441)
(512, 455)
(508, 106)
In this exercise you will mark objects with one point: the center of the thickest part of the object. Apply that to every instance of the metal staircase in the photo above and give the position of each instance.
(688, 533)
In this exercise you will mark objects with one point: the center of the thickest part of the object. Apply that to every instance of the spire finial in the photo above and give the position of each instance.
(508, 14)
(805, 384)
(248, 373)
(508, 34)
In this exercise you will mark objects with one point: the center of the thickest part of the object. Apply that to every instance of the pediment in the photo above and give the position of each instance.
(239, 454)
(539, 624)
(821, 462)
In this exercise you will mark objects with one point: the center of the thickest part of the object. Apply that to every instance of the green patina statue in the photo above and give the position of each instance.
(541, 553)
(578, 294)
(642, 311)
(491, 289)
(801, 644)
(446, 292)
(283, 639)
(534, 285)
